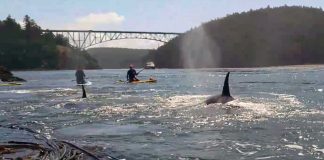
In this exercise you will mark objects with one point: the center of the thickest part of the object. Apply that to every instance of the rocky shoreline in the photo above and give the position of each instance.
(7, 76)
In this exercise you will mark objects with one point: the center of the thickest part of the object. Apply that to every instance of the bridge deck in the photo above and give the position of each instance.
(86, 38)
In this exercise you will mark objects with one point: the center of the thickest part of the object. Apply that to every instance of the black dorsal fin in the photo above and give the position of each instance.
(226, 91)
(84, 95)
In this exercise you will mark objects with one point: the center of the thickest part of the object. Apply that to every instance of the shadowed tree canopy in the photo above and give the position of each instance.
(28, 48)
(264, 37)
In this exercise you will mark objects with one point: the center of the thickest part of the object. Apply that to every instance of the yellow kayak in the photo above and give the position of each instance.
(10, 84)
(145, 81)
(139, 81)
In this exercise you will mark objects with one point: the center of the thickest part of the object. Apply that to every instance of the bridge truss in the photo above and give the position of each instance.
(85, 38)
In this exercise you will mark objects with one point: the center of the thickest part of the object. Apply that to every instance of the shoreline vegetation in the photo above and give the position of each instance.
(26, 47)
(267, 37)
(114, 58)
(257, 38)
(218, 68)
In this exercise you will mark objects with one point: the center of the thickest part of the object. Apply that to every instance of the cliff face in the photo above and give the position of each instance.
(265, 37)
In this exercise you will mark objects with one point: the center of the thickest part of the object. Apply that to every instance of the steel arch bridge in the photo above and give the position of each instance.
(85, 38)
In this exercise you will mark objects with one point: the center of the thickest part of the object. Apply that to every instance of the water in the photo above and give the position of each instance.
(278, 113)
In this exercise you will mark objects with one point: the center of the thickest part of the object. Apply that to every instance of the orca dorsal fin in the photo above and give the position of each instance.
(226, 91)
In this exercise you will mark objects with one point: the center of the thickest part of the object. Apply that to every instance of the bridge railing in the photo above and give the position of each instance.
(85, 38)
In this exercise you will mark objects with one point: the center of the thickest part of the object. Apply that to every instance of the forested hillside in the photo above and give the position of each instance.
(119, 57)
(26, 47)
(264, 37)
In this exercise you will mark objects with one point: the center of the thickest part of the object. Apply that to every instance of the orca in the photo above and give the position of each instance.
(224, 97)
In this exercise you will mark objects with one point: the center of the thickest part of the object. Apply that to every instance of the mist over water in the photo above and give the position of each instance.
(199, 50)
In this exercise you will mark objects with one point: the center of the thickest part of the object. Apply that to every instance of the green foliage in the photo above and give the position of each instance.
(119, 57)
(29, 48)
(264, 37)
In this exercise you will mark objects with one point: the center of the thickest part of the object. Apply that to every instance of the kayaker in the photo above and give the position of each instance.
(131, 74)
(79, 74)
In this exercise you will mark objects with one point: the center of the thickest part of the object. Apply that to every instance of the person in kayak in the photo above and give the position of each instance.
(131, 74)
(79, 74)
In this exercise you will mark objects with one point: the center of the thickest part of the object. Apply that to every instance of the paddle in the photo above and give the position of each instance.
(84, 95)
(121, 81)
(75, 80)
(140, 71)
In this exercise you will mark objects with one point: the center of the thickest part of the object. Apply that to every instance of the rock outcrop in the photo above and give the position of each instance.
(7, 76)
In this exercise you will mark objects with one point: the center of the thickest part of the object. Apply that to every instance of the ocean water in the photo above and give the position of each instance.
(278, 113)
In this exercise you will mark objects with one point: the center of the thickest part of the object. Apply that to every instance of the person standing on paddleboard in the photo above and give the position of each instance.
(79, 74)
(131, 74)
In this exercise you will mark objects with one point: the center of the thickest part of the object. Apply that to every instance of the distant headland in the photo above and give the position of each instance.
(257, 38)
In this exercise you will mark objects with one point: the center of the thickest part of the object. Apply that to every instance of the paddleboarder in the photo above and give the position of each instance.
(79, 74)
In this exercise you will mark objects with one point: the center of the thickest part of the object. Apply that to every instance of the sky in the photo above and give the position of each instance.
(133, 15)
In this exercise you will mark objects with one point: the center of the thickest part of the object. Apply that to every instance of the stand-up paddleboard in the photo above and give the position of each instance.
(10, 84)
(88, 83)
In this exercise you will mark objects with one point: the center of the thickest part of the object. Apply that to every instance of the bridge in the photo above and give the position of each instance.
(85, 38)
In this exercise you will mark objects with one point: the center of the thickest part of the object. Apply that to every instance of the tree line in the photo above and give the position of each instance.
(264, 37)
(26, 47)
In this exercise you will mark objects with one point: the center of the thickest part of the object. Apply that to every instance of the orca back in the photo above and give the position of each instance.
(224, 97)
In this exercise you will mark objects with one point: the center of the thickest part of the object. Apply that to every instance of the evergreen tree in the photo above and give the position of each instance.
(29, 48)
(265, 37)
